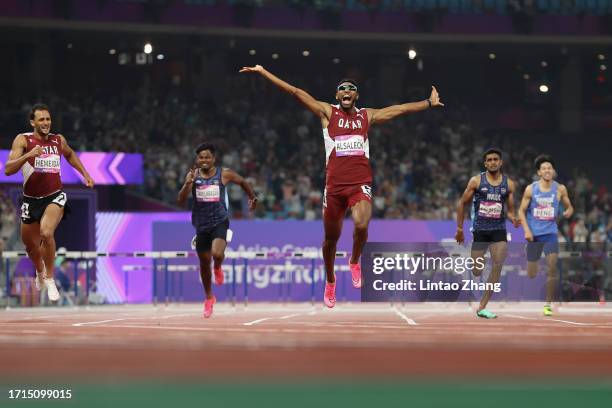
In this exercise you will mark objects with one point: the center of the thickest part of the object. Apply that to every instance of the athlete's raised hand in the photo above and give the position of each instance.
(434, 98)
(190, 177)
(256, 68)
(252, 203)
(36, 151)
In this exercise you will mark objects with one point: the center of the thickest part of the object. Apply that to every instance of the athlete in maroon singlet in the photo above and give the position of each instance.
(38, 155)
(349, 176)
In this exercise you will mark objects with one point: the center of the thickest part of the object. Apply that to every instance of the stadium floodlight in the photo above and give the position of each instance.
(305, 53)
(160, 56)
(336, 60)
(148, 48)
(526, 76)
(112, 51)
(603, 67)
(412, 53)
(492, 56)
(544, 88)
(275, 56)
(543, 64)
(252, 52)
(601, 57)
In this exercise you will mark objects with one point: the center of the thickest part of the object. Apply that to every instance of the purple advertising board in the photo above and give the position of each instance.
(104, 168)
(131, 279)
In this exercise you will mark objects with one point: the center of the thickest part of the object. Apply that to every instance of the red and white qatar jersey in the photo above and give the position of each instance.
(42, 174)
(347, 148)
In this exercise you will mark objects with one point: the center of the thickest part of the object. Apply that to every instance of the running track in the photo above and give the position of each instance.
(273, 340)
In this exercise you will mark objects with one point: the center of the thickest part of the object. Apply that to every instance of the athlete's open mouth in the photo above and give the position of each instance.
(346, 98)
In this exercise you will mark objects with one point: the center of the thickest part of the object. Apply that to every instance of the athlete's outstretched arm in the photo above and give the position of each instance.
(467, 196)
(319, 108)
(569, 208)
(17, 157)
(390, 112)
(522, 210)
(186, 189)
(75, 162)
(510, 201)
(230, 176)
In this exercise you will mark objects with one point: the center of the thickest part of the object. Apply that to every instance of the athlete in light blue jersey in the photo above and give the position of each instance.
(492, 198)
(539, 211)
(210, 217)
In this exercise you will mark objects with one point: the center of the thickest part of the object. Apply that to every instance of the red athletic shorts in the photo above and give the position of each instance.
(336, 203)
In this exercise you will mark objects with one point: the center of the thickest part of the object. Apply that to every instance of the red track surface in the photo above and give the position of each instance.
(364, 340)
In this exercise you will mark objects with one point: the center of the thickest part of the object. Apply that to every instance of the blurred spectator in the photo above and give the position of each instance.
(421, 163)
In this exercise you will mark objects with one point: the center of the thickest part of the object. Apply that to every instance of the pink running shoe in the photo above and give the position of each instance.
(329, 298)
(208, 306)
(219, 276)
(355, 274)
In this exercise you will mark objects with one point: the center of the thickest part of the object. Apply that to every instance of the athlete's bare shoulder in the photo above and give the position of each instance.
(511, 183)
(22, 137)
(474, 181)
(20, 141)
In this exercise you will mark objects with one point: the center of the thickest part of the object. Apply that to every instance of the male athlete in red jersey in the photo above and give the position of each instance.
(38, 155)
(349, 176)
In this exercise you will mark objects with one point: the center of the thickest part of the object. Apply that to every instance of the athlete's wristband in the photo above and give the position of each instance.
(429, 102)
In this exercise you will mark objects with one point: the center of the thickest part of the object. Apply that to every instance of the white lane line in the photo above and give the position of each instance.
(289, 316)
(103, 321)
(140, 318)
(554, 320)
(404, 317)
(33, 332)
(257, 321)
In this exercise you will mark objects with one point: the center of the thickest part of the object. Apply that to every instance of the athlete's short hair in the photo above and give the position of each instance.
(206, 146)
(491, 150)
(38, 107)
(543, 158)
(349, 80)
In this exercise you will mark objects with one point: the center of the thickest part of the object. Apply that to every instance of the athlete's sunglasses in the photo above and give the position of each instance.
(347, 87)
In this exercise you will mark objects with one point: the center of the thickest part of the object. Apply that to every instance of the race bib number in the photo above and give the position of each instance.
(208, 193)
(60, 199)
(367, 190)
(544, 213)
(490, 209)
(47, 163)
(25, 210)
(349, 145)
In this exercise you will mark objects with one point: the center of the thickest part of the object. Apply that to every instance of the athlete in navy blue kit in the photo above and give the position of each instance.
(541, 203)
(492, 197)
(210, 217)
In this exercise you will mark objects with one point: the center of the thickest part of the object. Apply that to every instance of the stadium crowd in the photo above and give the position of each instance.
(421, 163)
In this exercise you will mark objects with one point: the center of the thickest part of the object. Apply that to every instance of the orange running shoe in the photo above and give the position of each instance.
(355, 274)
(329, 298)
(219, 276)
(208, 306)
